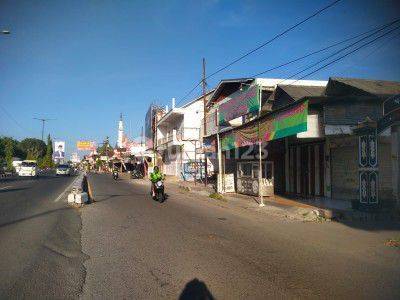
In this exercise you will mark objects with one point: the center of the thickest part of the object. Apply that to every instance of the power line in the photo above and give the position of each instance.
(376, 49)
(273, 39)
(320, 50)
(347, 54)
(341, 50)
(261, 46)
(12, 118)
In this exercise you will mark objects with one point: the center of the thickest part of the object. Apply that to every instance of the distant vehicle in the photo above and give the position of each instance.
(136, 174)
(17, 165)
(28, 168)
(63, 170)
(115, 174)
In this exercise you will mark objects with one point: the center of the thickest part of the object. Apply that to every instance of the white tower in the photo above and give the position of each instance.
(120, 132)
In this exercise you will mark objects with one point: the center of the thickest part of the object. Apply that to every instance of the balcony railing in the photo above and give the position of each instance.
(177, 136)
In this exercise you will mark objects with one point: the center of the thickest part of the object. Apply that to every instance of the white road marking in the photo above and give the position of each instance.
(5, 187)
(67, 189)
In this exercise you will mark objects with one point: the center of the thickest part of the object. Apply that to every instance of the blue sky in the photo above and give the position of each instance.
(83, 62)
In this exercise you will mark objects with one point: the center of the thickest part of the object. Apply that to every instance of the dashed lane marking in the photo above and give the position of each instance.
(5, 187)
(67, 189)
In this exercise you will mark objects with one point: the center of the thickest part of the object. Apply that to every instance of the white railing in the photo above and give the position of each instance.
(177, 136)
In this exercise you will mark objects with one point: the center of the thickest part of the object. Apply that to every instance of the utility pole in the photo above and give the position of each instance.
(141, 137)
(204, 85)
(43, 121)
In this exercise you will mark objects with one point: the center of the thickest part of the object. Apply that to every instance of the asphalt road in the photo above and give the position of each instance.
(39, 240)
(140, 249)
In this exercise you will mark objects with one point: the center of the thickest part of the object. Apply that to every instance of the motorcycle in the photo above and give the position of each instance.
(136, 174)
(115, 175)
(159, 191)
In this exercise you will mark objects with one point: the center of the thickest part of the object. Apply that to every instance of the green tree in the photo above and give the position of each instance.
(18, 152)
(105, 148)
(47, 161)
(33, 147)
(9, 154)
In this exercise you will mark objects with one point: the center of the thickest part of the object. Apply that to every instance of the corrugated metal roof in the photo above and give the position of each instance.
(298, 91)
(336, 86)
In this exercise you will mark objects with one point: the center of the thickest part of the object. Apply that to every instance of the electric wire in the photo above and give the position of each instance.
(261, 46)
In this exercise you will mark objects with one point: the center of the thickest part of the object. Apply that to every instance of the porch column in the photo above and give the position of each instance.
(287, 175)
(395, 139)
(327, 163)
(220, 176)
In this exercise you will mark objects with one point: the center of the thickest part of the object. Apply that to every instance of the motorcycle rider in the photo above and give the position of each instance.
(115, 172)
(155, 176)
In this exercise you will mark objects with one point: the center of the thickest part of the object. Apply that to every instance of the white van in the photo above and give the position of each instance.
(28, 168)
(17, 165)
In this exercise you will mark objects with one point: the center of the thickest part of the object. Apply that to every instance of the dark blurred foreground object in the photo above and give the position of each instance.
(196, 290)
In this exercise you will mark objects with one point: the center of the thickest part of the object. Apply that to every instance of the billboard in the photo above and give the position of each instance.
(85, 145)
(59, 151)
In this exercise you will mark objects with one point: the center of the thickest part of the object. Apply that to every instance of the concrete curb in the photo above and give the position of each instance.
(78, 195)
(294, 213)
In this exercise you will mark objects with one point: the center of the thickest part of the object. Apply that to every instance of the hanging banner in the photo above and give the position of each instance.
(285, 123)
(240, 103)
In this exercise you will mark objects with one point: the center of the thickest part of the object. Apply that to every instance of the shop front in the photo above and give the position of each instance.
(242, 150)
(248, 178)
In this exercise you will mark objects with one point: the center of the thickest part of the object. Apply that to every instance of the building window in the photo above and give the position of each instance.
(245, 169)
(251, 170)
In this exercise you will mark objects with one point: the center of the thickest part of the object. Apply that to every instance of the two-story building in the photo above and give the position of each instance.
(179, 135)
(318, 140)
(233, 115)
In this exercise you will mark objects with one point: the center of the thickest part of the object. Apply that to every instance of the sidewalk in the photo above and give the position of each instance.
(301, 212)
(311, 210)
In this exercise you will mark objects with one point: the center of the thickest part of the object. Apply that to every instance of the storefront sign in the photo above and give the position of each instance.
(240, 103)
(229, 183)
(193, 169)
(285, 123)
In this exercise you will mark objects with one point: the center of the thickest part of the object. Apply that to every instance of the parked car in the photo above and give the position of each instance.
(28, 168)
(63, 170)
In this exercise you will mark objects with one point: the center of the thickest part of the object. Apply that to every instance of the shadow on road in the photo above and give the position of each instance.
(371, 225)
(196, 290)
(13, 190)
(40, 177)
(108, 197)
(33, 216)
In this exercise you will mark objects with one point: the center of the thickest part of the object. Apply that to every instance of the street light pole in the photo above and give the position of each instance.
(43, 121)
